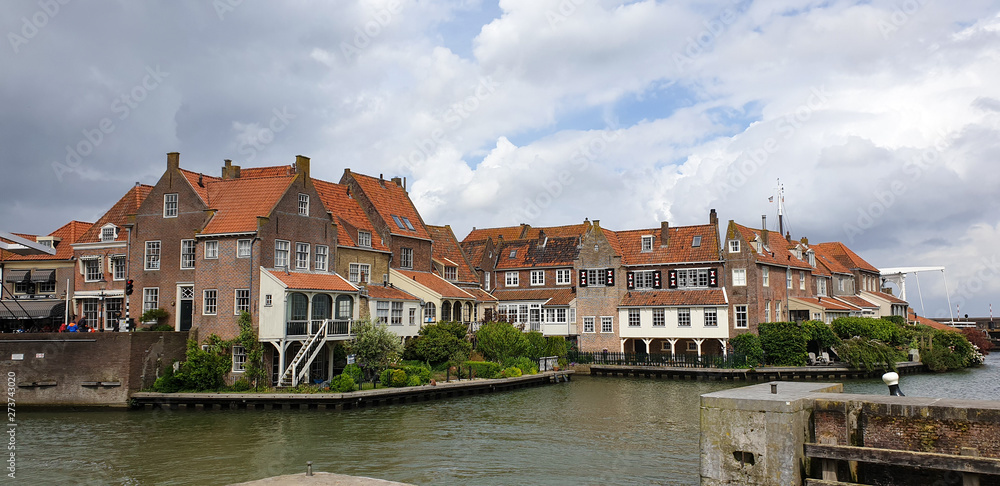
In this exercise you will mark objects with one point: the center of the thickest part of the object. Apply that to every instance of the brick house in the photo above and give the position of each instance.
(451, 263)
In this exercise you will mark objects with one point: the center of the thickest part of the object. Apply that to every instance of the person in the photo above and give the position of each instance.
(72, 327)
(62, 328)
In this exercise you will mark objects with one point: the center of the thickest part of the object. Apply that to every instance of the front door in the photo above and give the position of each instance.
(186, 308)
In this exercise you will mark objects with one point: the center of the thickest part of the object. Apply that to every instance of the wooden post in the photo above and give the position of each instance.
(829, 465)
(970, 479)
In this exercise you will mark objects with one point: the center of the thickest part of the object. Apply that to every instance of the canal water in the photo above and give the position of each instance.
(593, 430)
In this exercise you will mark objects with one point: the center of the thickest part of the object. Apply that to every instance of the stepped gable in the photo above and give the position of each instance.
(238, 202)
(678, 248)
(338, 201)
(666, 298)
(446, 247)
(389, 198)
(67, 234)
(118, 214)
(845, 256)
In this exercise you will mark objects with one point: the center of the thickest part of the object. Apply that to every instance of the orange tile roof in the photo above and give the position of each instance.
(69, 233)
(350, 217)
(313, 281)
(240, 201)
(857, 301)
(194, 177)
(380, 292)
(677, 250)
(891, 298)
(526, 232)
(475, 250)
(775, 249)
(390, 199)
(446, 247)
(840, 252)
(557, 252)
(826, 304)
(551, 296)
(481, 295)
(437, 284)
(273, 171)
(913, 317)
(645, 298)
(118, 214)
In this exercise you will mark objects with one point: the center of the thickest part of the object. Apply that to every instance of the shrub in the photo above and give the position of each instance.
(978, 339)
(879, 329)
(748, 344)
(510, 372)
(375, 347)
(484, 369)
(355, 372)
(241, 385)
(420, 372)
(205, 369)
(820, 333)
(897, 320)
(157, 314)
(457, 329)
(527, 365)
(556, 346)
(438, 343)
(162, 327)
(950, 350)
(393, 377)
(783, 343)
(170, 382)
(343, 383)
(862, 352)
(536, 345)
(414, 381)
(499, 341)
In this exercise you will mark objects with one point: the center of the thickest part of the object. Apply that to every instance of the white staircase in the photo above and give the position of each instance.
(298, 369)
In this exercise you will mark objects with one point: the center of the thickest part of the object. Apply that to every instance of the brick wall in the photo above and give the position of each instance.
(598, 301)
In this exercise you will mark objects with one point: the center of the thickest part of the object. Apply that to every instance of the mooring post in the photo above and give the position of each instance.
(892, 380)
(970, 479)
(309, 468)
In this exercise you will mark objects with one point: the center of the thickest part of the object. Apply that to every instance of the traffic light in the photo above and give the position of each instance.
(128, 287)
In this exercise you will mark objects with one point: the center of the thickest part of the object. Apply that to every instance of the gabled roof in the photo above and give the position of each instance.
(645, 298)
(436, 283)
(557, 252)
(391, 200)
(481, 295)
(350, 217)
(679, 247)
(913, 317)
(313, 281)
(475, 250)
(888, 297)
(272, 171)
(825, 304)
(446, 249)
(549, 296)
(238, 202)
(857, 301)
(841, 253)
(774, 251)
(118, 214)
(385, 293)
(199, 182)
(68, 234)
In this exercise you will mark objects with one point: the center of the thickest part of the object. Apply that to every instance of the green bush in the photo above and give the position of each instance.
(170, 382)
(897, 320)
(949, 350)
(162, 327)
(510, 372)
(879, 329)
(556, 346)
(393, 377)
(536, 345)
(414, 381)
(820, 333)
(861, 352)
(155, 315)
(458, 329)
(438, 343)
(241, 385)
(527, 365)
(343, 383)
(205, 369)
(748, 344)
(420, 372)
(355, 372)
(500, 341)
(484, 369)
(783, 343)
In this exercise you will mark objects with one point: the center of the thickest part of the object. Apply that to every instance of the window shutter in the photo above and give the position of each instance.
(583, 278)
(713, 277)
(609, 277)
(657, 284)
(630, 280)
(672, 279)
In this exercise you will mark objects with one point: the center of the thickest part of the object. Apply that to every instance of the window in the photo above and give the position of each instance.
(765, 276)
(538, 277)
(802, 280)
(821, 286)
(563, 276)
(684, 317)
(170, 205)
(588, 324)
(409, 226)
(741, 316)
(242, 248)
(788, 278)
(24, 288)
(322, 252)
(241, 301)
(607, 324)
(633, 318)
(382, 311)
(413, 316)
(777, 310)
(396, 318)
(150, 298)
(647, 243)
(659, 317)
(302, 256)
(646, 279)
(90, 310)
(267, 300)
(47, 288)
(109, 233)
(692, 346)
(406, 257)
(209, 302)
(696, 242)
(767, 311)
(840, 283)
(365, 239)
(239, 358)
(511, 279)
(92, 269)
(430, 312)
(599, 277)
(451, 273)
(358, 272)
(734, 246)
(211, 249)
(118, 264)
(739, 277)
(152, 255)
(513, 253)
(486, 280)
(692, 277)
(398, 222)
(303, 205)
(345, 307)
(281, 253)
(711, 318)
(187, 254)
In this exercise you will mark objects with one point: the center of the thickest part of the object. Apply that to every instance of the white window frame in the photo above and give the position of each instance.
(209, 302)
(765, 276)
(767, 311)
(282, 250)
(644, 279)
(777, 310)
(450, 273)
(396, 313)
(92, 268)
(511, 279)
(267, 300)
(303, 204)
(588, 324)
(737, 317)
(106, 236)
(734, 246)
(659, 317)
(802, 280)
(634, 318)
(118, 267)
(683, 317)
(564, 276)
(301, 256)
(596, 277)
(170, 205)
(710, 317)
(150, 298)
(236, 301)
(382, 312)
(239, 358)
(365, 238)
(739, 277)
(242, 245)
(212, 249)
(647, 243)
(413, 316)
(406, 258)
(187, 254)
(322, 258)
(359, 272)
(607, 324)
(821, 286)
(537, 277)
(486, 280)
(788, 278)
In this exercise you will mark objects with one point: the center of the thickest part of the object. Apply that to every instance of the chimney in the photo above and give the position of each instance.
(713, 218)
(381, 180)
(788, 235)
(597, 223)
(302, 167)
(804, 240)
(230, 171)
(398, 181)
(173, 160)
(664, 233)
(542, 238)
(763, 230)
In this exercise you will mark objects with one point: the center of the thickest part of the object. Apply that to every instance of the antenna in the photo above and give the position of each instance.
(781, 209)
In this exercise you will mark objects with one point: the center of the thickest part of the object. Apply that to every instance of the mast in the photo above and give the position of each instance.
(781, 209)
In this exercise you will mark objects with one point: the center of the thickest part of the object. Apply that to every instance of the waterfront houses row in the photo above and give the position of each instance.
(307, 258)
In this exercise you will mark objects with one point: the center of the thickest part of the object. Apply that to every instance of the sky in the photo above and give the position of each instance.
(879, 119)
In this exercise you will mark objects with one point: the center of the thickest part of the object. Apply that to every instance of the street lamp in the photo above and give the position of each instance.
(102, 284)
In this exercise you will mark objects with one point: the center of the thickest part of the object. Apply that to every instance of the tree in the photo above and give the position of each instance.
(375, 347)
(254, 370)
(500, 342)
(438, 343)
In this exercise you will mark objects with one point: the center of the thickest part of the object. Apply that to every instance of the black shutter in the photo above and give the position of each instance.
(657, 284)
(609, 277)
(672, 279)
(630, 280)
(713, 277)
(583, 278)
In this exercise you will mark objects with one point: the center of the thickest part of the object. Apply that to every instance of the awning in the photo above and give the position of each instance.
(42, 276)
(17, 275)
(31, 309)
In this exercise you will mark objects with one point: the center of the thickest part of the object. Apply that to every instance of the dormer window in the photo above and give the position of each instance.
(303, 205)
(109, 233)
(47, 243)
(812, 258)
(365, 239)
(696, 242)
(647, 243)
(451, 273)
(170, 205)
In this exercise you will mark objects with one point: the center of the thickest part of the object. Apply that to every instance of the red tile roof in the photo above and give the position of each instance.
(891, 298)
(68, 233)
(913, 317)
(481, 295)
(350, 217)
(475, 250)
(678, 249)
(557, 252)
(645, 298)
(273, 171)
(240, 201)
(380, 292)
(437, 284)
(857, 301)
(550, 296)
(118, 214)
(313, 281)
(823, 258)
(775, 249)
(194, 178)
(446, 247)
(390, 199)
(526, 232)
(826, 304)
(840, 252)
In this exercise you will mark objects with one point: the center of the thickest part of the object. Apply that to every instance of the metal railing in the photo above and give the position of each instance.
(309, 328)
(659, 359)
